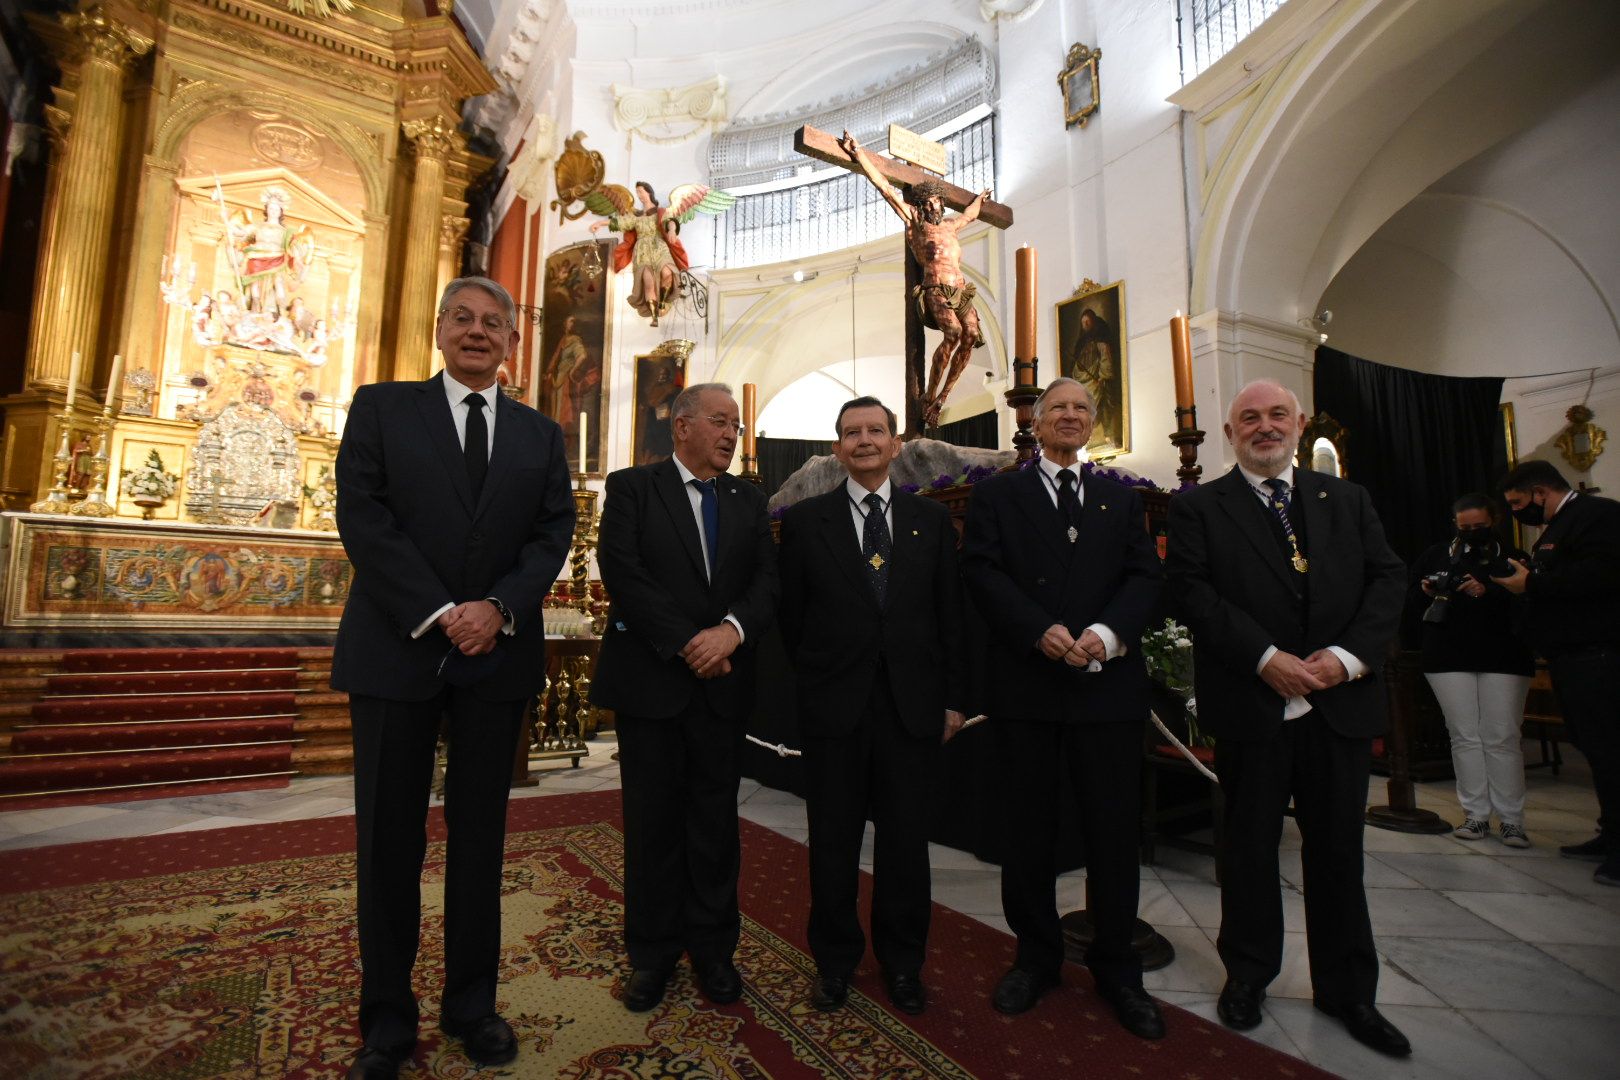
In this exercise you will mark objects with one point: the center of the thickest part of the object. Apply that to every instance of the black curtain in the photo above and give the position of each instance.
(1416, 441)
(982, 431)
(781, 458)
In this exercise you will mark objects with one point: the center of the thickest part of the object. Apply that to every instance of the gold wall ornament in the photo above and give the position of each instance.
(1581, 442)
(1082, 90)
(578, 172)
(321, 9)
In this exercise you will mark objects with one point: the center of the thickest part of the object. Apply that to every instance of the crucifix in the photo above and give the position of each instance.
(938, 296)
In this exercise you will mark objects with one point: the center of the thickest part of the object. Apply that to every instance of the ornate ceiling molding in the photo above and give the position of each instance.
(1008, 11)
(672, 114)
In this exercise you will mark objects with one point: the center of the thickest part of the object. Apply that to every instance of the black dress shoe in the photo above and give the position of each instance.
(1020, 989)
(720, 982)
(906, 992)
(488, 1040)
(1138, 1013)
(645, 989)
(377, 1063)
(1594, 850)
(830, 994)
(1239, 1005)
(1368, 1027)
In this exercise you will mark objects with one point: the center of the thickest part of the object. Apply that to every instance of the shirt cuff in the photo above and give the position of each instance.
(509, 624)
(732, 619)
(1353, 667)
(427, 623)
(1295, 707)
(1111, 646)
(1265, 658)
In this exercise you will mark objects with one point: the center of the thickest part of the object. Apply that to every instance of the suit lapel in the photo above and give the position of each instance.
(838, 533)
(504, 456)
(667, 482)
(1035, 500)
(732, 527)
(1314, 501)
(1241, 504)
(441, 428)
(907, 543)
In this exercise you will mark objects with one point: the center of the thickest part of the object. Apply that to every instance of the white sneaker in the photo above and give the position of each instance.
(1472, 829)
(1513, 836)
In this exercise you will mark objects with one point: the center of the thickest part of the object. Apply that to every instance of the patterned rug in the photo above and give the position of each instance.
(230, 953)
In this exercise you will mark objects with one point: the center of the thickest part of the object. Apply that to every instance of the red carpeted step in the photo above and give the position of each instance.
(174, 790)
(81, 660)
(172, 682)
(38, 775)
(71, 710)
(178, 733)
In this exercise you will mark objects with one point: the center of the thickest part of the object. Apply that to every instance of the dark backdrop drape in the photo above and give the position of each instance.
(982, 430)
(1416, 441)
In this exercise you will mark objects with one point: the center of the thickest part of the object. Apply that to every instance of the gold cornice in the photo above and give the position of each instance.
(349, 37)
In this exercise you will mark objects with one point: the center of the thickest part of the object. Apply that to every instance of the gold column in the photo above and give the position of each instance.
(68, 301)
(432, 139)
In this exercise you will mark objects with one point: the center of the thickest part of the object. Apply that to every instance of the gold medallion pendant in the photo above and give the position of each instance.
(1074, 534)
(1301, 564)
(876, 561)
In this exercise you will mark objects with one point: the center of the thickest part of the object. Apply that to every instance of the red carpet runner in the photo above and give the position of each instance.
(237, 959)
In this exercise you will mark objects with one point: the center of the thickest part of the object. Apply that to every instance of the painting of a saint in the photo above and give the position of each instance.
(1091, 336)
(573, 344)
(659, 377)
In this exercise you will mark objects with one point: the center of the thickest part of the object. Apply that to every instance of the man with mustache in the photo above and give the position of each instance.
(1059, 563)
(1292, 596)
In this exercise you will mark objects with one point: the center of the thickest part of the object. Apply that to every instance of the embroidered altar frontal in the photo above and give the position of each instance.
(118, 575)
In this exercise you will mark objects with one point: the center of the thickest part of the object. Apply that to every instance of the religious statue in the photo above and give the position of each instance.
(273, 255)
(651, 244)
(945, 298)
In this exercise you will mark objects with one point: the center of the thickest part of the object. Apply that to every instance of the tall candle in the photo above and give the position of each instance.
(73, 379)
(1024, 340)
(750, 414)
(115, 380)
(1181, 355)
(584, 422)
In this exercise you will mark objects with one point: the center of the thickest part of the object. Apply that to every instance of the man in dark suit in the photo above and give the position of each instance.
(690, 567)
(1292, 596)
(1572, 608)
(454, 509)
(872, 616)
(1059, 563)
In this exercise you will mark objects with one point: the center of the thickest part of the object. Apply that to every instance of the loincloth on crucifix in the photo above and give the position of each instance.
(956, 298)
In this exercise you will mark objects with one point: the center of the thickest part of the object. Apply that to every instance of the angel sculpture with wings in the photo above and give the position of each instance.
(652, 244)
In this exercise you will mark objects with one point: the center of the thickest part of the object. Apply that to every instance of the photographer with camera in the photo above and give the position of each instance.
(1571, 589)
(1478, 667)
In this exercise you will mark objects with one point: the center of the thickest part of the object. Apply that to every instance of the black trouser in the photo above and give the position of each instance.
(1104, 763)
(679, 778)
(1326, 776)
(393, 771)
(882, 770)
(1588, 688)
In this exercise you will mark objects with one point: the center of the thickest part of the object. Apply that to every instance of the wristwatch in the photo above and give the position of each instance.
(506, 616)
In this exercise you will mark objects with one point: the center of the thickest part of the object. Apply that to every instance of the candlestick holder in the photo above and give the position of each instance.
(1022, 397)
(94, 503)
(750, 469)
(57, 500)
(1187, 438)
(585, 536)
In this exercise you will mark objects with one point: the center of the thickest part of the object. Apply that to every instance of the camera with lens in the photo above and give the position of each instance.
(1478, 560)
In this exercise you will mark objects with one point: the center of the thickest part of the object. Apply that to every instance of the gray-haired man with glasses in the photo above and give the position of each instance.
(454, 509)
(687, 557)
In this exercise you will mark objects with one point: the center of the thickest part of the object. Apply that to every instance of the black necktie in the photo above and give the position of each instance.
(1068, 500)
(876, 545)
(711, 518)
(475, 447)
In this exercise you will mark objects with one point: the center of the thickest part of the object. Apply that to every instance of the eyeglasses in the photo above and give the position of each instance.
(724, 423)
(462, 317)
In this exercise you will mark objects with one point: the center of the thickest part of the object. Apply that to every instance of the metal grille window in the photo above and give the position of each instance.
(839, 211)
(1209, 29)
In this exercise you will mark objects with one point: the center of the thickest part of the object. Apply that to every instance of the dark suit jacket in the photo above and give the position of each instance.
(1237, 593)
(835, 632)
(1574, 592)
(652, 567)
(1024, 575)
(417, 541)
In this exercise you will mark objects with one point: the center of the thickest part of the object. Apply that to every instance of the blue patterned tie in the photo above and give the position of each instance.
(1278, 502)
(711, 519)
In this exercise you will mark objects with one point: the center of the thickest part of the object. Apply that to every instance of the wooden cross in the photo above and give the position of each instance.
(813, 142)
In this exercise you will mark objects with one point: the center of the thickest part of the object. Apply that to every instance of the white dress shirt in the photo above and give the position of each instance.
(1112, 648)
(1353, 667)
(858, 508)
(695, 498)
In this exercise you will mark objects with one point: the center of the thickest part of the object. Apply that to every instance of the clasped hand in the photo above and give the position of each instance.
(1058, 644)
(1292, 677)
(472, 626)
(708, 653)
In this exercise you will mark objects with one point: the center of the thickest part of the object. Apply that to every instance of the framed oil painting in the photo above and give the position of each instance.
(574, 350)
(660, 375)
(1091, 341)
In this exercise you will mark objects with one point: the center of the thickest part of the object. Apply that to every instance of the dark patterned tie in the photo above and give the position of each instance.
(711, 519)
(1068, 501)
(876, 546)
(475, 446)
(1279, 503)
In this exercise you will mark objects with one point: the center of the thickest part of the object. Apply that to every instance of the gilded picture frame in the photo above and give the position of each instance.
(575, 350)
(1091, 348)
(1081, 85)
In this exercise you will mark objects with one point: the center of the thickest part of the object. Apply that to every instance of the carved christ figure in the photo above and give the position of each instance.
(945, 298)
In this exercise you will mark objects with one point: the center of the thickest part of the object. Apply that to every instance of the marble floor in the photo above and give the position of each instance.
(1498, 964)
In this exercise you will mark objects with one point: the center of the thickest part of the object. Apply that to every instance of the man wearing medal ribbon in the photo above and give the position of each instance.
(1292, 596)
(1059, 564)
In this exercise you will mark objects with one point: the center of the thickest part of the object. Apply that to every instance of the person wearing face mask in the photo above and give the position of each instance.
(1478, 667)
(1571, 591)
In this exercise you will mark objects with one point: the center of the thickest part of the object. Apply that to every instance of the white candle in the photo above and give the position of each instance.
(583, 424)
(73, 379)
(115, 380)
